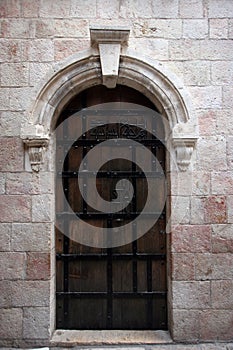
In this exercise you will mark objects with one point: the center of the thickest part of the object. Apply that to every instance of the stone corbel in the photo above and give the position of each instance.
(109, 42)
(184, 149)
(36, 141)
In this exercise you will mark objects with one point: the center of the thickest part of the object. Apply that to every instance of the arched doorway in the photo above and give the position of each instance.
(121, 287)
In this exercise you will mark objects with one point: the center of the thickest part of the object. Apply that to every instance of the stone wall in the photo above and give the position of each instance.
(193, 39)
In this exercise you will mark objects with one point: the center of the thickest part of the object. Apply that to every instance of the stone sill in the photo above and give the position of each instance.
(105, 337)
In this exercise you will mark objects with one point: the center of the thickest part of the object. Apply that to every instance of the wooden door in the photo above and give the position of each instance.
(109, 288)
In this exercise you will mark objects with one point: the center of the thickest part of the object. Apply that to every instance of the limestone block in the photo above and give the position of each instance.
(220, 9)
(222, 73)
(163, 9)
(24, 293)
(221, 294)
(10, 8)
(22, 183)
(13, 266)
(183, 267)
(107, 8)
(158, 28)
(191, 239)
(20, 98)
(195, 28)
(206, 96)
(218, 28)
(211, 153)
(54, 9)
(207, 120)
(201, 183)
(227, 92)
(191, 295)
(36, 323)
(180, 208)
(11, 154)
(216, 324)
(230, 30)
(10, 123)
(5, 237)
(222, 182)
(41, 50)
(222, 238)
(44, 28)
(17, 28)
(71, 28)
(30, 9)
(38, 266)
(230, 152)
(215, 210)
(66, 47)
(135, 9)
(37, 72)
(31, 237)
(197, 210)
(184, 49)
(185, 325)
(196, 73)
(4, 99)
(15, 208)
(82, 9)
(11, 50)
(190, 9)
(214, 266)
(223, 120)
(14, 74)
(216, 50)
(157, 48)
(42, 208)
(2, 183)
(11, 321)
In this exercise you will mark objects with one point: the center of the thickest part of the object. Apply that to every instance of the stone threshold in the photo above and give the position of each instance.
(111, 337)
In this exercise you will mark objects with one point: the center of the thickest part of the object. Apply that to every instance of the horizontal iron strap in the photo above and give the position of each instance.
(111, 174)
(100, 215)
(113, 294)
(96, 141)
(155, 256)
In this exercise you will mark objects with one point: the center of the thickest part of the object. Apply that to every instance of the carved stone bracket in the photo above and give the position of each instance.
(184, 149)
(109, 42)
(35, 141)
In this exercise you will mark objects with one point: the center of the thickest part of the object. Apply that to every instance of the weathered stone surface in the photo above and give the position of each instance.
(13, 265)
(215, 210)
(196, 73)
(44, 28)
(65, 48)
(211, 153)
(186, 324)
(2, 183)
(218, 28)
(197, 211)
(14, 74)
(183, 267)
(180, 207)
(30, 9)
(38, 266)
(195, 28)
(184, 49)
(158, 28)
(11, 154)
(20, 98)
(36, 323)
(191, 295)
(216, 50)
(5, 99)
(221, 294)
(31, 237)
(134, 9)
(15, 208)
(16, 28)
(161, 10)
(58, 9)
(222, 238)
(220, 9)
(22, 183)
(41, 50)
(107, 8)
(191, 238)
(216, 324)
(10, 123)
(72, 28)
(227, 93)
(214, 266)
(42, 208)
(191, 9)
(24, 293)
(10, 8)
(207, 96)
(200, 183)
(38, 71)
(11, 321)
(82, 9)
(223, 121)
(11, 50)
(157, 48)
(222, 182)
(230, 152)
(5, 237)
(230, 209)
(222, 73)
